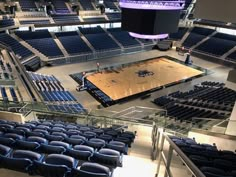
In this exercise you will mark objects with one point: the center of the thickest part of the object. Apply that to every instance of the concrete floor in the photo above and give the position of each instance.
(138, 162)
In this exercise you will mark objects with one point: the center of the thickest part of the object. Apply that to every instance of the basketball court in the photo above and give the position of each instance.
(125, 81)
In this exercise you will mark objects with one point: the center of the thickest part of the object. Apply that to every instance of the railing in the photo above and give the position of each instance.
(175, 162)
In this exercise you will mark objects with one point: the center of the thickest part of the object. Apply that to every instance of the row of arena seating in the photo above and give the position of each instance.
(218, 44)
(69, 39)
(6, 23)
(60, 6)
(73, 43)
(179, 34)
(204, 101)
(93, 90)
(17, 47)
(196, 35)
(62, 18)
(186, 113)
(22, 145)
(42, 41)
(27, 5)
(8, 94)
(57, 98)
(211, 161)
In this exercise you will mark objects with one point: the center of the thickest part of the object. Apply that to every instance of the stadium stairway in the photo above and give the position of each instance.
(228, 53)
(185, 37)
(87, 42)
(68, 7)
(35, 51)
(202, 41)
(116, 41)
(59, 44)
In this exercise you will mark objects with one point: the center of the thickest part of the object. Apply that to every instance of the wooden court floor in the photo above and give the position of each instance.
(124, 82)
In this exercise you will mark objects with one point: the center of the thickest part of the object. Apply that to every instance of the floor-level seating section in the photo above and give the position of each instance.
(213, 84)
(196, 35)
(26, 22)
(218, 45)
(113, 16)
(42, 41)
(98, 94)
(86, 4)
(179, 34)
(186, 113)
(212, 161)
(73, 43)
(67, 108)
(27, 5)
(94, 91)
(205, 100)
(124, 38)
(65, 18)
(57, 98)
(55, 148)
(17, 47)
(60, 6)
(6, 23)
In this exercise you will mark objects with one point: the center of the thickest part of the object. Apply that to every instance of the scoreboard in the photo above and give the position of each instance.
(151, 19)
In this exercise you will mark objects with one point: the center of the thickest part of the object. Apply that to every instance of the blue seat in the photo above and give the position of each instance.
(89, 134)
(55, 165)
(4, 150)
(107, 157)
(20, 160)
(7, 141)
(74, 141)
(73, 132)
(54, 138)
(106, 138)
(200, 161)
(96, 143)
(81, 152)
(78, 137)
(51, 149)
(16, 131)
(26, 145)
(13, 136)
(118, 146)
(91, 170)
(37, 139)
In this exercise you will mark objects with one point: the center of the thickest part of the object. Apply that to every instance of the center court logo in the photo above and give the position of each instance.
(144, 73)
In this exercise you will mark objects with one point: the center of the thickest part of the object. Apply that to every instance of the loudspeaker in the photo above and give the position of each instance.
(150, 22)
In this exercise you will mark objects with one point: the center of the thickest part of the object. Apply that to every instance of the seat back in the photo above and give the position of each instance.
(95, 168)
(50, 149)
(81, 173)
(26, 154)
(59, 159)
(7, 141)
(50, 170)
(17, 164)
(37, 139)
(4, 150)
(21, 144)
